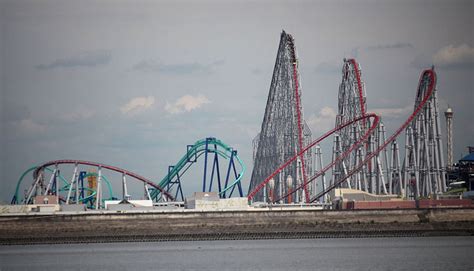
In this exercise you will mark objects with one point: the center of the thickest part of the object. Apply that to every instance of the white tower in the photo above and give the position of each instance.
(449, 127)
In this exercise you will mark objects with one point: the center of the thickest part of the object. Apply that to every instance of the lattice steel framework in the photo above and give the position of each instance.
(422, 173)
(284, 132)
(360, 143)
(423, 167)
(352, 104)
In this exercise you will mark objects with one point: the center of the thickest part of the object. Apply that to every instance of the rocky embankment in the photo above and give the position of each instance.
(261, 224)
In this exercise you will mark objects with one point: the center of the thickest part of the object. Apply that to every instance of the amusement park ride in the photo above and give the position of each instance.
(288, 164)
(49, 180)
(360, 158)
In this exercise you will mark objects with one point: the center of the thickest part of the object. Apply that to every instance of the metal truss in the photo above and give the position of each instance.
(423, 167)
(75, 191)
(351, 104)
(88, 183)
(363, 157)
(374, 177)
(222, 170)
(284, 132)
(422, 173)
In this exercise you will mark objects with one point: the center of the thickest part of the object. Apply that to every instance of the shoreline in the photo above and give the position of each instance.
(232, 225)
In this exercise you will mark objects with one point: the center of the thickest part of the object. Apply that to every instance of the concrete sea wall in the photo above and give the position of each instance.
(110, 227)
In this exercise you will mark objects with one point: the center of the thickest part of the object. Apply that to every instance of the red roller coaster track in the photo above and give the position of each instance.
(300, 130)
(112, 168)
(432, 83)
(366, 135)
(359, 86)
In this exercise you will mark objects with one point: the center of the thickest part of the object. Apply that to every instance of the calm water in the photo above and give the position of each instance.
(434, 253)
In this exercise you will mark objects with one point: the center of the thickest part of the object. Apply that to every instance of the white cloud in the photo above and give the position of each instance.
(137, 105)
(186, 103)
(81, 113)
(451, 57)
(29, 126)
(393, 112)
(323, 121)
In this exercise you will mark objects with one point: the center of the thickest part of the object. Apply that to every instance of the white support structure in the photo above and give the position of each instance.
(423, 171)
(289, 185)
(33, 188)
(352, 104)
(98, 190)
(71, 185)
(148, 196)
(386, 173)
(318, 167)
(124, 188)
(424, 151)
(395, 173)
(51, 180)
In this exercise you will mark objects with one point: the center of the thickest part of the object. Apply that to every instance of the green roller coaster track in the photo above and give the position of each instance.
(197, 150)
(66, 185)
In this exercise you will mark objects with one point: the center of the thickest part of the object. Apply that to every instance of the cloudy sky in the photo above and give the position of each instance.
(131, 83)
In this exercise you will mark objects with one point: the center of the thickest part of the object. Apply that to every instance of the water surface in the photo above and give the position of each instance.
(418, 253)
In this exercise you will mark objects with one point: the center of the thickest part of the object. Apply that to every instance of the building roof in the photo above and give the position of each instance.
(468, 158)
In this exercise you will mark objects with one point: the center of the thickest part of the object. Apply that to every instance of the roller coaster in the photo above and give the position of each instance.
(212, 149)
(360, 157)
(288, 164)
(85, 185)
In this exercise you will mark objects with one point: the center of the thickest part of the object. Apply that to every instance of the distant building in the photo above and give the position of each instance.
(210, 201)
(466, 170)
